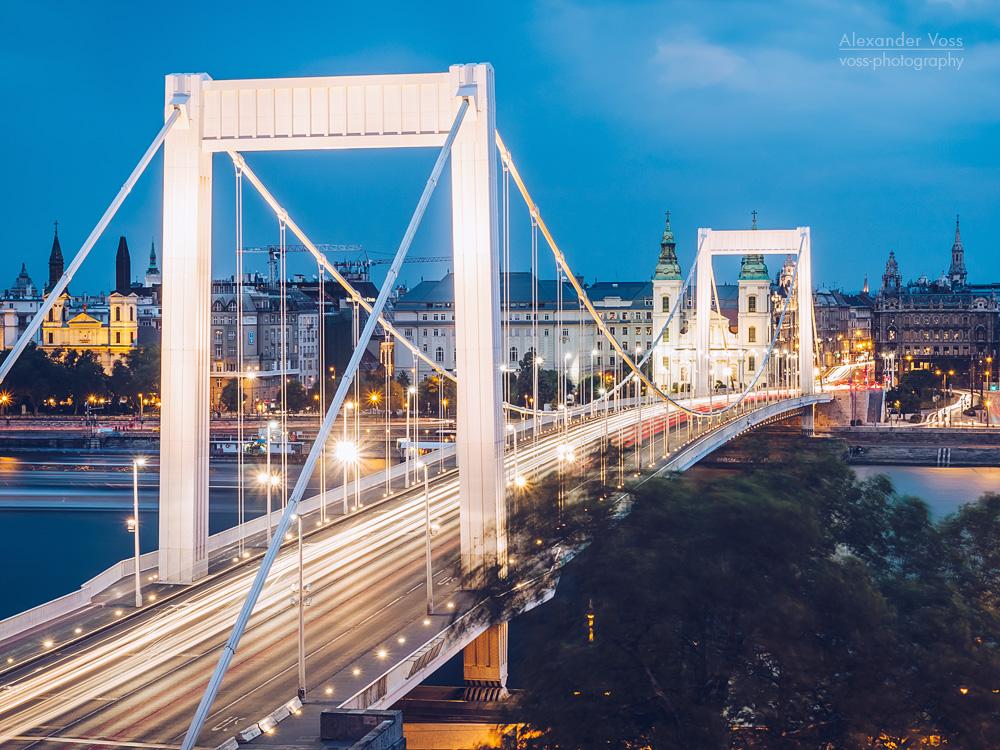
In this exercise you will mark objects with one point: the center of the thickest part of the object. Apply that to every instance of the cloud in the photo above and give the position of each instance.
(686, 61)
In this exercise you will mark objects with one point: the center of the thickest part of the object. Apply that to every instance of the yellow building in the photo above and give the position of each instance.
(109, 330)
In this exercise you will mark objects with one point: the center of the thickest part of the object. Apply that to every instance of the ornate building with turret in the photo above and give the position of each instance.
(740, 327)
(937, 323)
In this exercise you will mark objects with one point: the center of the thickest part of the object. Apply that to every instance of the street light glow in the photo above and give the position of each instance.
(347, 451)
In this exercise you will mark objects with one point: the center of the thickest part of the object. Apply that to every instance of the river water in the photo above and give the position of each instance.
(63, 520)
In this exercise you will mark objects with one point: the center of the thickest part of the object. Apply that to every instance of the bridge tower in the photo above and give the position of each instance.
(752, 243)
(378, 111)
(667, 287)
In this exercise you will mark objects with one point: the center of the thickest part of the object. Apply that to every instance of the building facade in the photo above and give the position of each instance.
(545, 316)
(947, 322)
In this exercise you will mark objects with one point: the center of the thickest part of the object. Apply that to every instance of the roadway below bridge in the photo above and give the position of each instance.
(103, 679)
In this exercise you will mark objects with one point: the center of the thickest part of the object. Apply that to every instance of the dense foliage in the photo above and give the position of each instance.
(39, 380)
(789, 608)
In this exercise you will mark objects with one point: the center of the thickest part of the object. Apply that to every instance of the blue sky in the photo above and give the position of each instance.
(615, 113)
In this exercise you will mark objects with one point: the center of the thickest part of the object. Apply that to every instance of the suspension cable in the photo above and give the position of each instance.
(53, 296)
(354, 293)
(283, 366)
(636, 371)
(240, 373)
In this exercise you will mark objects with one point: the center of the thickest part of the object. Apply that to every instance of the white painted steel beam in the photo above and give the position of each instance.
(331, 112)
(806, 332)
(477, 325)
(184, 390)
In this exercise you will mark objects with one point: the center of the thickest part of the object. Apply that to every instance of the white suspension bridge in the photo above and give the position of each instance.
(148, 678)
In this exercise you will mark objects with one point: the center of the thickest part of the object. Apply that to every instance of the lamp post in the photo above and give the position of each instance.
(534, 396)
(593, 353)
(409, 447)
(134, 526)
(269, 480)
(302, 618)
(427, 539)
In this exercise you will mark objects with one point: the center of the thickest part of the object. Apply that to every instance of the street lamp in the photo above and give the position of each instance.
(269, 480)
(347, 452)
(411, 391)
(427, 539)
(133, 525)
(593, 353)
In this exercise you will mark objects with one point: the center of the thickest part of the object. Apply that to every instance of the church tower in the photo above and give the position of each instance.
(754, 311)
(123, 268)
(153, 276)
(891, 280)
(667, 285)
(957, 272)
(55, 262)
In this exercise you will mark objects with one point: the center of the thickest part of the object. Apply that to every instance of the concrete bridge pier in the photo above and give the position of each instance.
(485, 664)
(809, 419)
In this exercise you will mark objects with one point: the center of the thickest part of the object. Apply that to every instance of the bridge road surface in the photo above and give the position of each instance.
(140, 680)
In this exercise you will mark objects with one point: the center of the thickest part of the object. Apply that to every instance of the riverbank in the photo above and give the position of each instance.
(922, 446)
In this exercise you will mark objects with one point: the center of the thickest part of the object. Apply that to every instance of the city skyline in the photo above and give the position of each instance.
(615, 114)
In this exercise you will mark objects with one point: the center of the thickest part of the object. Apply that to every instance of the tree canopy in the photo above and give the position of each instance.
(789, 608)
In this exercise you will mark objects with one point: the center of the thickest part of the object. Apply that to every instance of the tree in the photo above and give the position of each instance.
(229, 396)
(749, 613)
(87, 378)
(36, 377)
(433, 387)
(296, 396)
(547, 381)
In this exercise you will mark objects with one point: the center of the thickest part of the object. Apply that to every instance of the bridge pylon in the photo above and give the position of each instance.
(377, 111)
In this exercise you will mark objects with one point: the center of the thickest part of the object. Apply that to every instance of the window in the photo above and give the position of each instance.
(425, 348)
(439, 354)
(546, 331)
(50, 337)
(131, 338)
(118, 337)
(118, 314)
(513, 354)
(666, 303)
(752, 335)
(751, 363)
(612, 329)
(50, 312)
(232, 351)
(218, 351)
(638, 331)
(425, 333)
(408, 332)
(425, 316)
(231, 336)
(752, 303)
(131, 314)
(436, 332)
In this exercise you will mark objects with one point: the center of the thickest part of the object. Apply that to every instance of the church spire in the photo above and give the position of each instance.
(123, 268)
(957, 272)
(152, 259)
(752, 265)
(891, 280)
(668, 268)
(55, 262)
